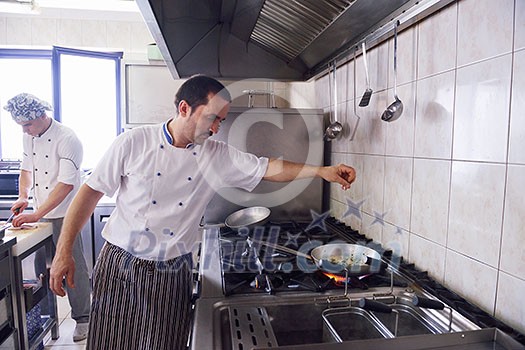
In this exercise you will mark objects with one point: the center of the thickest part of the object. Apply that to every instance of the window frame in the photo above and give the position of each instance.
(56, 70)
(54, 55)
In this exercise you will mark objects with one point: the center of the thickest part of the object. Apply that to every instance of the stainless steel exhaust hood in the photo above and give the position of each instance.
(288, 40)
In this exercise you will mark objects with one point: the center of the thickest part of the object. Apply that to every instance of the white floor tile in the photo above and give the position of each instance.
(66, 335)
(66, 328)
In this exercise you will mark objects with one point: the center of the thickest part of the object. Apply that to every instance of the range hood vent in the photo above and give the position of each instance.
(287, 40)
(285, 28)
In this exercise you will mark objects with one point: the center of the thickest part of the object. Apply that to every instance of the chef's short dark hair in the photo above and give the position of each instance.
(196, 89)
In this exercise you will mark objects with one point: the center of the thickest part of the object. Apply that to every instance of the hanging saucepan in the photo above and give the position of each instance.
(337, 258)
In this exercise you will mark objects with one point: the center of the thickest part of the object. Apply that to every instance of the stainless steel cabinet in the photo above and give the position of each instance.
(87, 244)
(100, 217)
(8, 313)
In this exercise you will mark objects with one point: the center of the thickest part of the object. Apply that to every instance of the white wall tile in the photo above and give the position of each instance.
(336, 209)
(373, 177)
(322, 96)
(429, 215)
(510, 290)
(519, 34)
(240, 99)
(428, 256)
(352, 124)
(335, 189)
(439, 28)
(512, 252)
(400, 132)
(372, 227)
(94, 33)
(398, 183)
(355, 192)
(406, 57)
(435, 116)
(517, 117)
(350, 88)
(140, 37)
(479, 39)
(476, 210)
(119, 35)
(395, 239)
(471, 279)
(347, 120)
(482, 110)
(340, 114)
(69, 32)
(18, 31)
(352, 217)
(302, 95)
(341, 75)
(379, 62)
(3, 35)
(371, 131)
(43, 31)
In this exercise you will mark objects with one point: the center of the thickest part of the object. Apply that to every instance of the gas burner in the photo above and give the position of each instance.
(352, 281)
(267, 282)
(252, 263)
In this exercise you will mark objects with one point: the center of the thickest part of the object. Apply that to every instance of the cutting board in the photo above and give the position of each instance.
(27, 238)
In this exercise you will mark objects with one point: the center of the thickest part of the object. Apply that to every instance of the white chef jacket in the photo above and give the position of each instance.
(53, 157)
(163, 190)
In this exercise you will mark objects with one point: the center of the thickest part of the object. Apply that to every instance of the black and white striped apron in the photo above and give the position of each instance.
(139, 304)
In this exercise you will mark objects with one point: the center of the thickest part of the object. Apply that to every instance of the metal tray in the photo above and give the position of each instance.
(352, 323)
(411, 322)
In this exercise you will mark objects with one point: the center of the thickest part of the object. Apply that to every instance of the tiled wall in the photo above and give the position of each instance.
(444, 185)
(74, 28)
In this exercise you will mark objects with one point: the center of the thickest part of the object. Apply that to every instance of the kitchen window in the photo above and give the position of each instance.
(83, 87)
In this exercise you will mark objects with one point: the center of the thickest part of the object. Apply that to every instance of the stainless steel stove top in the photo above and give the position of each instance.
(301, 309)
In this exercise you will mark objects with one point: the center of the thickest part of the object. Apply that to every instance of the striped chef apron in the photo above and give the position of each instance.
(139, 304)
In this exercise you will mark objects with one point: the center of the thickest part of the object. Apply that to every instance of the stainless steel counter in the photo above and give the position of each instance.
(294, 320)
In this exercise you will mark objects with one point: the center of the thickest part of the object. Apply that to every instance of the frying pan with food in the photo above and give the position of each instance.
(339, 258)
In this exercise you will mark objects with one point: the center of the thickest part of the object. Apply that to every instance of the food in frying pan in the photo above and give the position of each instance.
(353, 259)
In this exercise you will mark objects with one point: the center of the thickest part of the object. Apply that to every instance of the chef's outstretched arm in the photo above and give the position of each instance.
(282, 171)
(77, 215)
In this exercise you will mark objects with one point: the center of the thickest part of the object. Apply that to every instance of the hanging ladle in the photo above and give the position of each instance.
(393, 112)
(335, 128)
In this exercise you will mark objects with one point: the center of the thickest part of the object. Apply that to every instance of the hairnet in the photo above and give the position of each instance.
(25, 107)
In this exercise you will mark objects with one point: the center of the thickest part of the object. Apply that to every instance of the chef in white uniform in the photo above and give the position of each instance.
(165, 175)
(51, 160)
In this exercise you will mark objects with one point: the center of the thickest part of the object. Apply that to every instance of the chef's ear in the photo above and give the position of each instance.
(184, 108)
